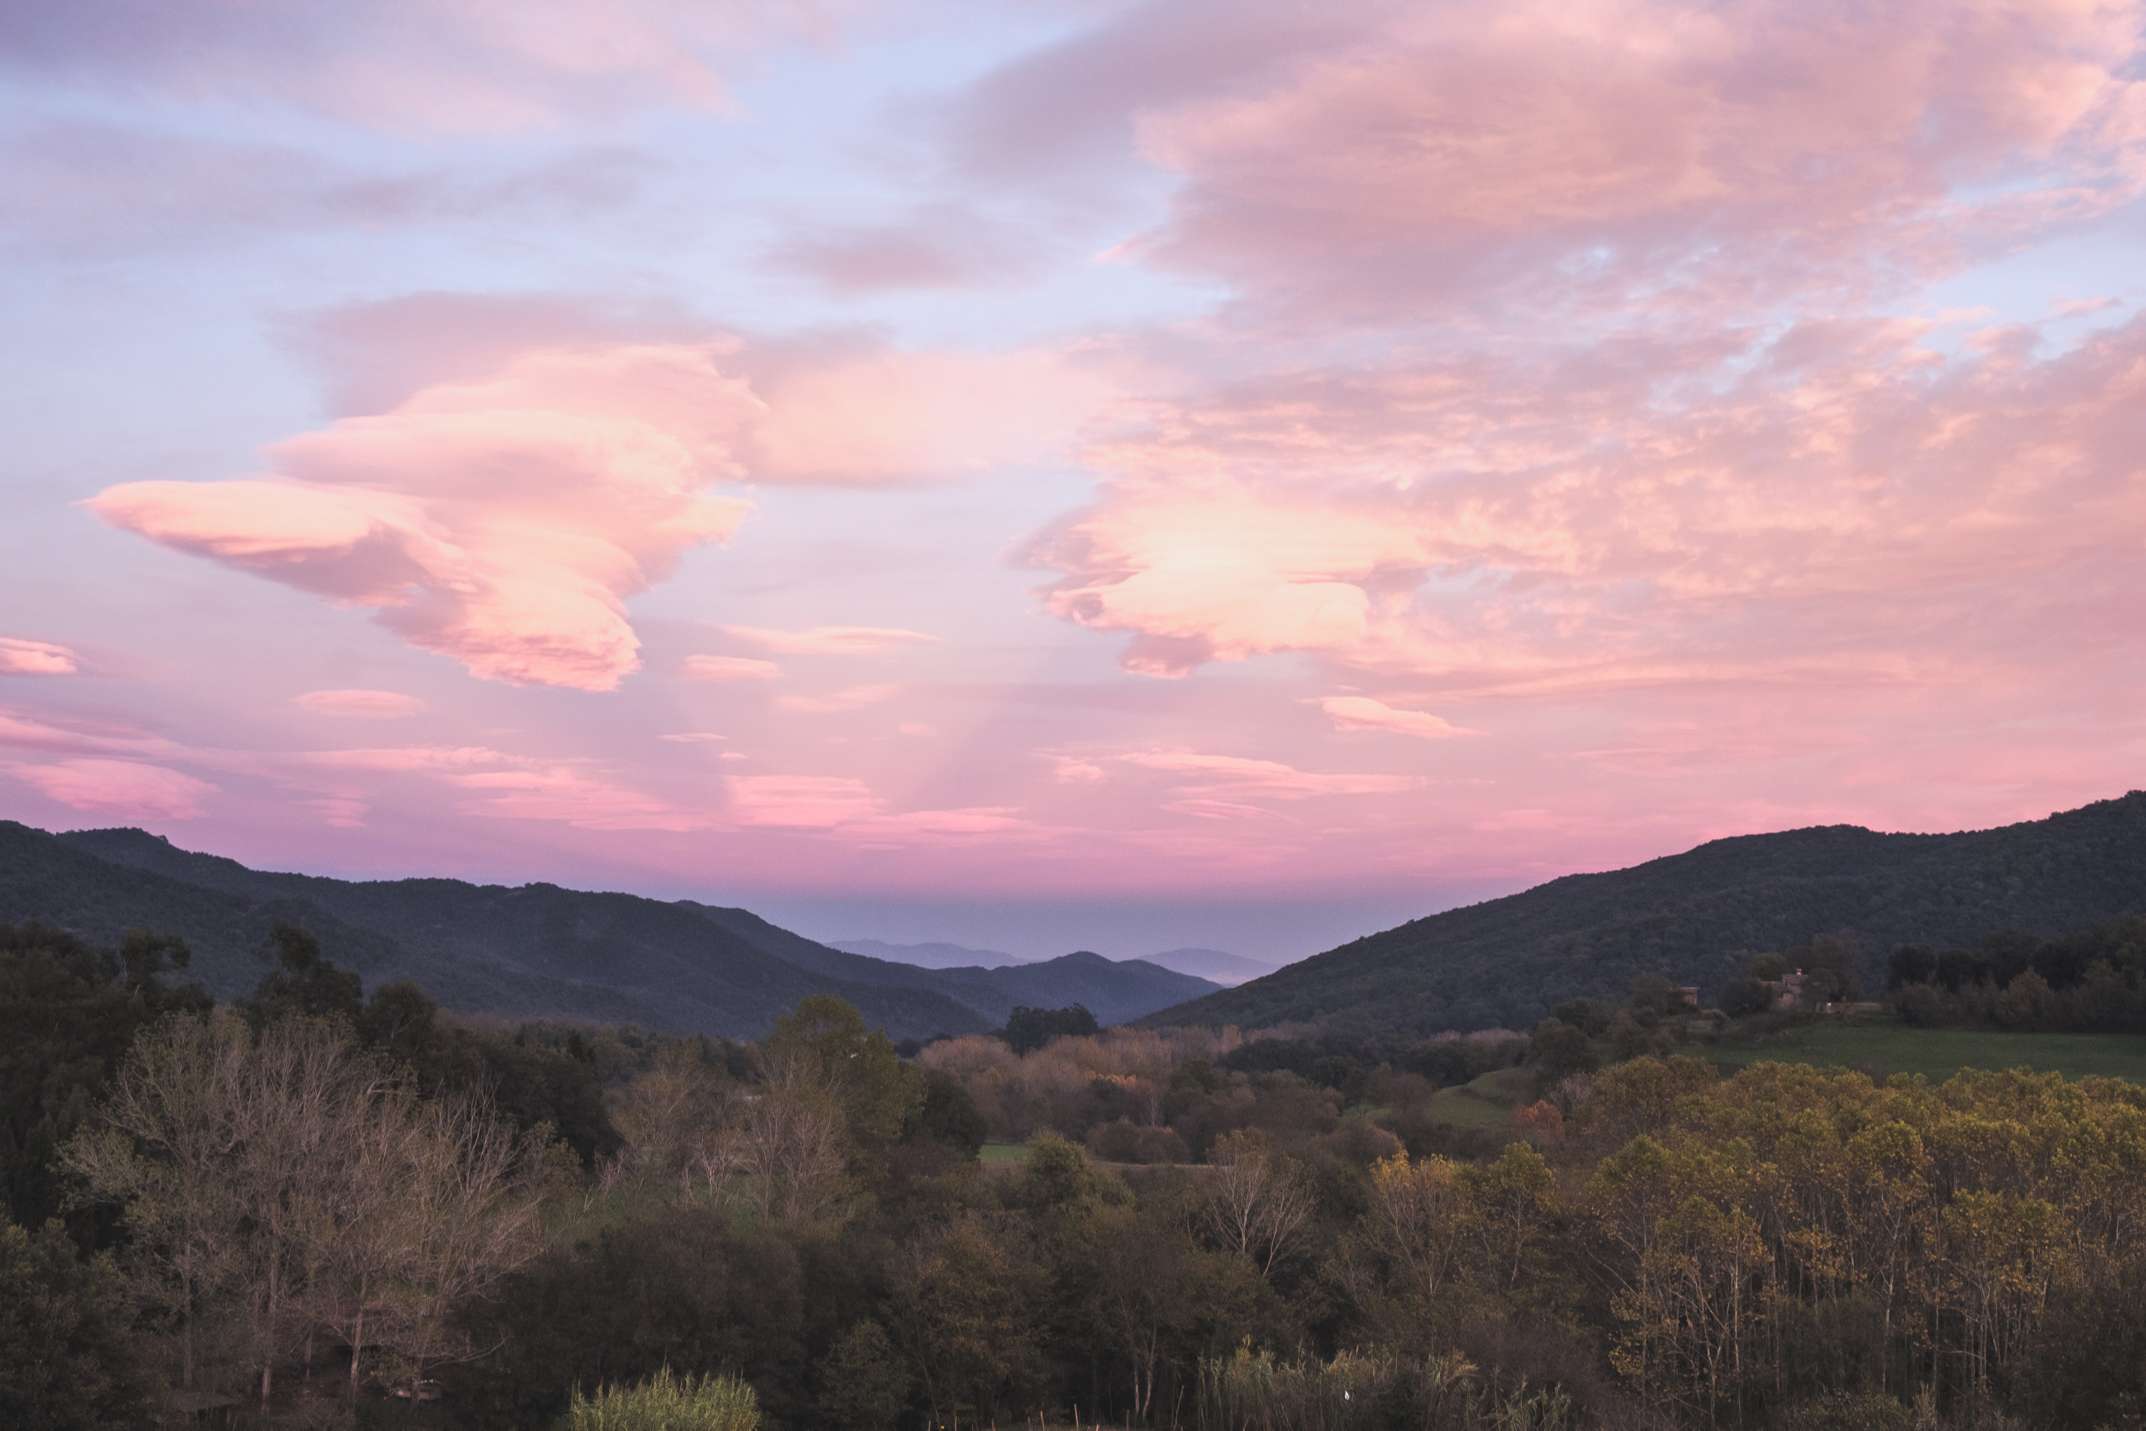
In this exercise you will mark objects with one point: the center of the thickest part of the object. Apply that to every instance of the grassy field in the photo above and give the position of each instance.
(1004, 1155)
(1887, 1048)
(1486, 1102)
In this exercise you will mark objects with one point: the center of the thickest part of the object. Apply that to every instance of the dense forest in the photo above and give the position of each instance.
(1695, 918)
(2093, 980)
(316, 1207)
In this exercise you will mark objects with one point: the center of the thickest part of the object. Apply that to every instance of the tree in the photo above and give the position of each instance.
(1559, 1051)
(1910, 964)
(278, 1181)
(1258, 1202)
(1030, 1029)
(67, 1015)
(66, 1362)
(1416, 1223)
(826, 1043)
(160, 1150)
(1745, 997)
(1510, 1202)
(864, 1384)
(688, 1288)
(948, 1116)
(469, 1216)
(969, 1319)
(790, 1143)
(1829, 969)
(302, 981)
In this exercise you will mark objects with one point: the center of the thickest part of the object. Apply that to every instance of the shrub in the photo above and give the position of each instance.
(668, 1402)
(1121, 1141)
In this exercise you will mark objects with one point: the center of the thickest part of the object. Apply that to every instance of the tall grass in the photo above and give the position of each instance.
(667, 1402)
(1257, 1391)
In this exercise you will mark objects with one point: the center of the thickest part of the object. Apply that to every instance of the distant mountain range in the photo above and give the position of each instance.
(931, 955)
(533, 950)
(1694, 918)
(1213, 964)
(1210, 964)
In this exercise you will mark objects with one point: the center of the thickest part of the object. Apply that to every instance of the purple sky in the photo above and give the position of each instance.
(1067, 474)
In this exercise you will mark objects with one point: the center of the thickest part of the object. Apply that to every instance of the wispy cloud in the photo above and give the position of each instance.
(1243, 777)
(1368, 713)
(361, 704)
(801, 802)
(830, 640)
(847, 699)
(19, 657)
(729, 668)
(129, 788)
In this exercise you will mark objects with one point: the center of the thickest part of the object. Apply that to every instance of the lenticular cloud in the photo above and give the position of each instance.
(506, 521)
(503, 523)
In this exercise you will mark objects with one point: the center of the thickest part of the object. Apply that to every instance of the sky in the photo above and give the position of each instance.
(1067, 474)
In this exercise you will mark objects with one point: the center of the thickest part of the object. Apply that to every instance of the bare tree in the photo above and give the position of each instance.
(668, 1115)
(291, 1182)
(162, 1149)
(1258, 1201)
(790, 1142)
(301, 1093)
(470, 1214)
(357, 1228)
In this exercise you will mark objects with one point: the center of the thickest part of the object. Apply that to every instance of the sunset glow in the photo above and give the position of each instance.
(907, 468)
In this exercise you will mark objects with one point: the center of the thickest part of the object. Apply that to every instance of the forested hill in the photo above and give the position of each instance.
(531, 950)
(1694, 918)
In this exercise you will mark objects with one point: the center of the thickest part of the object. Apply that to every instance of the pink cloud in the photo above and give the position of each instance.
(408, 759)
(120, 787)
(361, 704)
(1367, 713)
(20, 657)
(694, 737)
(806, 802)
(847, 699)
(1072, 770)
(340, 812)
(1242, 778)
(1647, 153)
(569, 796)
(729, 668)
(858, 415)
(1614, 519)
(22, 730)
(506, 521)
(915, 828)
(503, 523)
(829, 640)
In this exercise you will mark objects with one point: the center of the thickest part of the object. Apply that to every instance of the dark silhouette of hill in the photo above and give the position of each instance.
(1115, 991)
(1695, 917)
(525, 951)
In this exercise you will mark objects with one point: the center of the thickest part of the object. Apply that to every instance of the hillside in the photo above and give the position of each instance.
(533, 950)
(1694, 917)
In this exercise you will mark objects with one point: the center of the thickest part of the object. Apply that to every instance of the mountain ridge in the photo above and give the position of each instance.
(1692, 917)
(530, 950)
